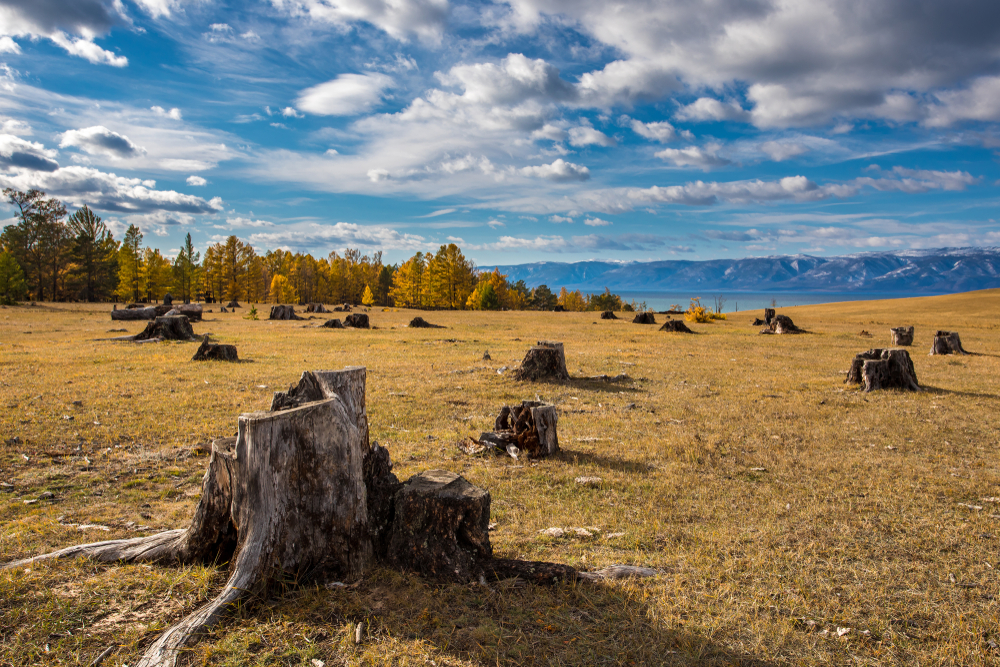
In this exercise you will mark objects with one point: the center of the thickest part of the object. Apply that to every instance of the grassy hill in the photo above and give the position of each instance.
(795, 519)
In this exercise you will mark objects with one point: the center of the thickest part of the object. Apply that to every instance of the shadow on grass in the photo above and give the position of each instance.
(407, 620)
(941, 391)
(608, 462)
(589, 384)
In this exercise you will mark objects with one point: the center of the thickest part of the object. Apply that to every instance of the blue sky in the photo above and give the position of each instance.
(523, 130)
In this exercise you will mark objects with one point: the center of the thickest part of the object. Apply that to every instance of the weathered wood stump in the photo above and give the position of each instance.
(223, 309)
(883, 369)
(758, 322)
(901, 335)
(283, 313)
(441, 527)
(781, 324)
(343, 308)
(421, 323)
(947, 342)
(676, 326)
(528, 429)
(315, 307)
(233, 304)
(357, 320)
(168, 327)
(608, 315)
(644, 318)
(215, 352)
(168, 299)
(544, 361)
(133, 314)
(192, 311)
(333, 324)
(768, 315)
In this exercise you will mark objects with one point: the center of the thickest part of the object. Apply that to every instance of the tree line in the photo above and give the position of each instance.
(48, 255)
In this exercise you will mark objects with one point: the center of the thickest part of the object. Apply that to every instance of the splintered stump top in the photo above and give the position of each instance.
(544, 361)
(528, 428)
(644, 318)
(215, 352)
(441, 527)
(901, 335)
(883, 369)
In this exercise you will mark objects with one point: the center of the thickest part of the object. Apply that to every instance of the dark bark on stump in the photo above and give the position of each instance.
(608, 315)
(545, 361)
(314, 307)
(283, 313)
(947, 342)
(168, 327)
(357, 320)
(901, 335)
(676, 326)
(768, 315)
(441, 527)
(644, 318)
(215, 352)
(884, 369)
(344, 308)
(168, 300)
(529, 428)
(333, 324)
(233, 304)
(758, 323)
(421, 323)
(781, 324)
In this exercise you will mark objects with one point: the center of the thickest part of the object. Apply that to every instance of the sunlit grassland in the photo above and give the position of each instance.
(777, 501)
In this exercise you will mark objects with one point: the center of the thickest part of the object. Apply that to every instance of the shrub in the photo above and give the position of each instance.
(698, 313)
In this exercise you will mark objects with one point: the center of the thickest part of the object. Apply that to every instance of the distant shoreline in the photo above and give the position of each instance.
(756, 300)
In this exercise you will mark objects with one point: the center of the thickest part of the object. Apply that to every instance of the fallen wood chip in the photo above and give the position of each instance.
(552, 532)
(971, 507)
(471, 447)
(589, 481)
(612, 535)
(618, 572)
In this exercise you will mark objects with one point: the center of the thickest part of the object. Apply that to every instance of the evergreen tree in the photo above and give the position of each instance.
(186, 270)
(12, 285)
(94, 252)
(368, 299)
(130, 285)
(39, 241)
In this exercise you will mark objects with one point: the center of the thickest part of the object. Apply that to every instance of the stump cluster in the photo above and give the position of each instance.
(528, 429)
(947, 342)
(901, 335)
(283, 313)
(168, 327)
(608, 315)
(215, 352)
(544, 361)
(421, 323)
(644, 318)
(357, 320)
(676, 326)
(883, 369)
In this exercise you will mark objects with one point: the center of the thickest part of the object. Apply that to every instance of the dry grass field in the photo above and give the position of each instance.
(796, 520)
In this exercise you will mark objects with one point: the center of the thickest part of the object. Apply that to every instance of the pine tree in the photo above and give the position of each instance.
(12, 285)
(130, 266)
(368, 299)
(186, 270)
(94, 252)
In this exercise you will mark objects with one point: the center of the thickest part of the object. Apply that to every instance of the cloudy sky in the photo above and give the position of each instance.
(521, 129)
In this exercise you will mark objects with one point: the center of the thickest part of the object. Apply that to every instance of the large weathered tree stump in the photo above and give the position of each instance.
(215, 352)
(315, 307)
(357, 320)
(676, 326)
(544, 361)
(441, 527)
(901, 335)
(421, 323)
(133, 314)
(608, 315)
(283, 313)
(947, 342)
(883, 369)
(168, 327)
(644, 318)
(768, 315)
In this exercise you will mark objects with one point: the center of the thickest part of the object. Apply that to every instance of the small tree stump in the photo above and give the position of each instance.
(758, 322)
(768, 315)
(168, 300)
(333, 324)
(644, 318)
(441, 527)
(781, 324)
(421, 323)
(283, 313)
(676, 326)
(947, 342)
(133, 314)
(901, 335)
(192, 311)
(168, 327)
(608, 315)
(544, 361)
(233, 304)
(223, 309)
(215, 352)
(529, 428)
(314, 307)
(883, 369)
(343, 308)
(357, 320)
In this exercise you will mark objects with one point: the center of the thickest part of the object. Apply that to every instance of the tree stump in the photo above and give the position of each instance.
(343, 308)
(233, 304)
(544, 361)
(528, 428)
(441, 527)
(608, 315)
(901, 335)
(758, 322)
(283, 313)
(644, 318)
(357, 320)
(133, 314)
(215, 352)
(333, 324)
(168, 327)
(314, 307)
(192, 311)
(768, 315)
(676, 326)
(781, 324)
(883, 369)
(421, 323)
(168, 300)
(947, 342)
(223, 309)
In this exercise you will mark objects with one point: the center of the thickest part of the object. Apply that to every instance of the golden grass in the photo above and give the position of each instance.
(778, 502)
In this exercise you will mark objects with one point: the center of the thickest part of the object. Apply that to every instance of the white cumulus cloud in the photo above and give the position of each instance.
(347, 95)
(559, 171)
(196, 181)
(100, 140)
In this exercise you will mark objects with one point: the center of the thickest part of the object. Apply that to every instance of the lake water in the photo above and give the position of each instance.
(741, 301)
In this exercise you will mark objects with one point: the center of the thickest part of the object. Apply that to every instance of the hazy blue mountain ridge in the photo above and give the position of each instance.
(937, 271)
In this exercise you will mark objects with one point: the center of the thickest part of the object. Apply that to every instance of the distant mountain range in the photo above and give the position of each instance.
(940, 271)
